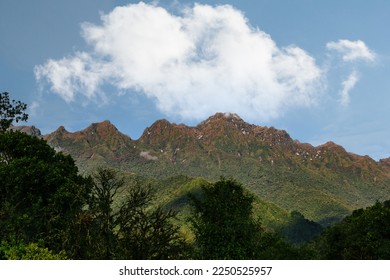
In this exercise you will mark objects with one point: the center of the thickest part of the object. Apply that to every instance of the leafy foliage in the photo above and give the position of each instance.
(32, 251)
(11, 111)
(225, 228)
(364, 235)
(222, 222)
(300, 230)
(41, 193)
(106, 186)
(134, 229)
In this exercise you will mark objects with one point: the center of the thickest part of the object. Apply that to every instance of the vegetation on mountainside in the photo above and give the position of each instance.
(225, 227)
(49, 211)
(324, 183)
(133, 229)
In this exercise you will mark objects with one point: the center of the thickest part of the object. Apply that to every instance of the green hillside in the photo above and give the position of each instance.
(173, 194)
(324, 183)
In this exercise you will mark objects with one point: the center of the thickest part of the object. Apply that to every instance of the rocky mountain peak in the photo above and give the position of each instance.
(159, 125)
(61, 130)
(162, 131)
(222, 118)
(224, 124)
(30, 130)
(99, 126)
(385, 162)
(158, 128)
(333, 147)
(101, 130)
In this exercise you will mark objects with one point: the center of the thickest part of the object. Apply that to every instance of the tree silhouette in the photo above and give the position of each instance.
(41, 193)
(223, 223)
(11, 111)
(134, 228)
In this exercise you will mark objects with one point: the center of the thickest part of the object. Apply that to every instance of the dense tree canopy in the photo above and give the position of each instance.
(41, 193)
(48, 210)
(133, 228)
(222, 222)
(363, 235)
(299, 230)
(225, 227)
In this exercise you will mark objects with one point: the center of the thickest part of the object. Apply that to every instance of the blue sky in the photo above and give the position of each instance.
(318, 69)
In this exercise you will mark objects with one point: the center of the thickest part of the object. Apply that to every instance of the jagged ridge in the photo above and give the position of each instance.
(98, 144)
(325, 183)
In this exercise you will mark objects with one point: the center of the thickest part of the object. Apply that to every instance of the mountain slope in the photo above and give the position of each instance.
(30, 130)
(98, 144)
(325, 183)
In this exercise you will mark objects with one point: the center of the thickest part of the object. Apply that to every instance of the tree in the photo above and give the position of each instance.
(146, 231)
(41, 193)
(364, 235)
(10, 111)
(32, 251)
(300, 230)
(106, 185)
(133, 228)
(223, 224)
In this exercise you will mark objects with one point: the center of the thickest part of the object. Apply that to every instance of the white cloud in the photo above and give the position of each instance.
(204, 60)
(80, 73)
(352, 50)
(347, 86)
(33, 108)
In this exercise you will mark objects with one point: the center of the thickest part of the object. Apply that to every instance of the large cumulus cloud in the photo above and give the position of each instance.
(192, 64)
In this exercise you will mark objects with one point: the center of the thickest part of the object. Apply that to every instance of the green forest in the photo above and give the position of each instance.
(49, 210)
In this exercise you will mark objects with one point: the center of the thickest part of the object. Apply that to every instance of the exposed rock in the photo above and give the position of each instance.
(147, 155)
(385, 162)
(30, 130)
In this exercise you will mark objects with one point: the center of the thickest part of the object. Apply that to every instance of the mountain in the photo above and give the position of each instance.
(385, 163)
(99, 144)
(30, 130)
(324, 183)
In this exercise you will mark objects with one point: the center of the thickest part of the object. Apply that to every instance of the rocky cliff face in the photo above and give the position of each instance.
(385, 163)
(30, 130)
